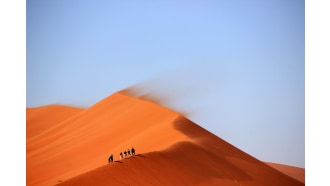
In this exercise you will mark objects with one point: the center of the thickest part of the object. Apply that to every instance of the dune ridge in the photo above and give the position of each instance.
(172, 150)
(83, 141)
(204, 160)
(295, 172)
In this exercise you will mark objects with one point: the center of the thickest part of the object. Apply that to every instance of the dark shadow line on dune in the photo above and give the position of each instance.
(207, 142)
(207, 139)
(218, 149)
(140, 156)
(220, 161)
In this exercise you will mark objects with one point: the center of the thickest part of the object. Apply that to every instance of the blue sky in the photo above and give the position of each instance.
(236, 67)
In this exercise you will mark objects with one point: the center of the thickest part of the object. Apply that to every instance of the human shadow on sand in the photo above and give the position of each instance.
(140, 155)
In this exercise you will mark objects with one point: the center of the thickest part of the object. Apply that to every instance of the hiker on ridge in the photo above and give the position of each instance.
(110, 159)
(133, 151)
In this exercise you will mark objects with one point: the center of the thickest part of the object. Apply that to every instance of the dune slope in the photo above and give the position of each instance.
(295, 172)
(172, 150)
(203, 160)
(42, 118)
(83, 141)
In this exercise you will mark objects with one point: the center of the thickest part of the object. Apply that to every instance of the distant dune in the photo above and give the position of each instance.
(42, 118)
(70, 146)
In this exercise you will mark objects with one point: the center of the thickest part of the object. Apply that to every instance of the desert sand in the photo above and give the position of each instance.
(70, 146)
(295, 172)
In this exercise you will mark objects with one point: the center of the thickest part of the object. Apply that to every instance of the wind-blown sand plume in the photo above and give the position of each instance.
(171, 150)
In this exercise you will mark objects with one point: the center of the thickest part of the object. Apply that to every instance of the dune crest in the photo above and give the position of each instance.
(170, 149)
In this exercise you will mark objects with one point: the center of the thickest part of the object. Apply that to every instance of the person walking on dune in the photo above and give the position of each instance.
(121, 155)
(125, 153)
(110, 159)
(128, 152)
(133, 151)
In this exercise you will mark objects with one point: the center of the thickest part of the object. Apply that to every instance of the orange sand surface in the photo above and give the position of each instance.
(70, 146)
(42, 118)
(295, 172)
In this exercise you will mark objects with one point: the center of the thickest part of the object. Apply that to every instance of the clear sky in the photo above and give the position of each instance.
(236, 67)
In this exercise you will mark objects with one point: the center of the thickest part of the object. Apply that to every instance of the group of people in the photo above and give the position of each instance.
(129, 152)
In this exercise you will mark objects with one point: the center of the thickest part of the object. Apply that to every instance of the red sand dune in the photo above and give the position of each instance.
(72, 149)
(295, 172)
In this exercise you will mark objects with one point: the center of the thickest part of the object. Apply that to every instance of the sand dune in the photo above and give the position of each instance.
(72, 149)
(295, 172)
(42, 118)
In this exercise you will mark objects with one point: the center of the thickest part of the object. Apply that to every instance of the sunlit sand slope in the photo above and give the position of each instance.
(171, 150)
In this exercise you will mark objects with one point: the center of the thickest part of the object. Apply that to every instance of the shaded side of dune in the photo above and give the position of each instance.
(203, 160)
(294, 172)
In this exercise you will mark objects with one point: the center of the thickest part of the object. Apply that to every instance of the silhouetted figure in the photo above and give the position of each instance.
(110, 159)
(133, 151)
(121, 155)
(128, 152)
(125, 153)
